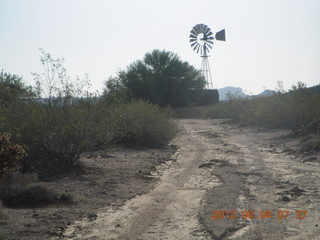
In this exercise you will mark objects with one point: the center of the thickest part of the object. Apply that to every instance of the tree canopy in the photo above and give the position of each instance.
(13, 89)
(160, 77)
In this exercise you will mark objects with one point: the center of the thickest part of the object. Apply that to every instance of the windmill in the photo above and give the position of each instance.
(201, 39)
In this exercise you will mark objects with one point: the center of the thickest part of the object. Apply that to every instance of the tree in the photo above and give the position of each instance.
(161, 77)
(54, 82)
(12, 89)
(115, 91)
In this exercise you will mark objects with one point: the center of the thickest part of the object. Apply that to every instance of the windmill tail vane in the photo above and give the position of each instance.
(201, 40)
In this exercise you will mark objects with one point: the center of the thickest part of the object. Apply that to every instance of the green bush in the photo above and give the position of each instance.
(55, 123)
(143, 124)
(55, 134)
(233, 109)
(299, 110)
(12, 90)
(161, 77)
(60, 121)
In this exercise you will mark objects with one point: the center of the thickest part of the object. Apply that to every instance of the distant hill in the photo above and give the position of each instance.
(266, 93)
(230, 91)
(238, 92)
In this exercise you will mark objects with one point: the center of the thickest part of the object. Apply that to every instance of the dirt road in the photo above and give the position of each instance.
(226, 183)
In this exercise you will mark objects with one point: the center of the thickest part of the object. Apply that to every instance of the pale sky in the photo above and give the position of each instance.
(267, 41)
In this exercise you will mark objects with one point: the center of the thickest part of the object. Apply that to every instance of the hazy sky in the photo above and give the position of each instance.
(267, 41)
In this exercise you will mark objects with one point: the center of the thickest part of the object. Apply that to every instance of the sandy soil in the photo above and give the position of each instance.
(223, 182)
(108, 179)
(262, 171)
(221, 168)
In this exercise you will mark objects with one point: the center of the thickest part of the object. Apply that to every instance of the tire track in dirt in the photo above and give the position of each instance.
(170, 210)
(217, 167)
(258, 179)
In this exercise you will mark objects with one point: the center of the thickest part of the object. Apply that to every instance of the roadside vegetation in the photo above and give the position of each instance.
(161, 77)
(46, 128)
(297, 109)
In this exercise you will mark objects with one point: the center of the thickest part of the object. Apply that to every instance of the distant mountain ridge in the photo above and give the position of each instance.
(226, 92)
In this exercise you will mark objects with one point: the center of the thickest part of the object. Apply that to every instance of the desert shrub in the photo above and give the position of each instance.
(298, 109)
(144, 124)
(62, 121)
(233, 109)
(55, 134)
(103, 123)
(33, 196)
(312, 143)
(16, 180)
(10, 154)
(55, 126)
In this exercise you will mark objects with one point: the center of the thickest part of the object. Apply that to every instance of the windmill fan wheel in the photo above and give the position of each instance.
(201, 39)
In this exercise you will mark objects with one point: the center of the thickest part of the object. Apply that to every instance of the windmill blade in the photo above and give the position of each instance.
(221, 35)
(193, 44)
(205, 44)
(194, 32)
(209, 45)
(196, 29)
(207, 49)
(208, 41)
(192, 35)
(208, 31)
(199, 28)
(192, 38)
(203, 28)
(210, 36)
(196, 46)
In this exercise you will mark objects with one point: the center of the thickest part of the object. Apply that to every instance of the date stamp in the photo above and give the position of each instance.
(280, 214)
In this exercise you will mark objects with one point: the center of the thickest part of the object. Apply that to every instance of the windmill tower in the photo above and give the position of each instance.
(201, 39)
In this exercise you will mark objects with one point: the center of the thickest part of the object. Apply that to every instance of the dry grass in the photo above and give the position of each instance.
(298, 110)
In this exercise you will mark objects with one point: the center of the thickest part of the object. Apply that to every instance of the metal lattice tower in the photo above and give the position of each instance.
(201, 39)
(205, 70)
